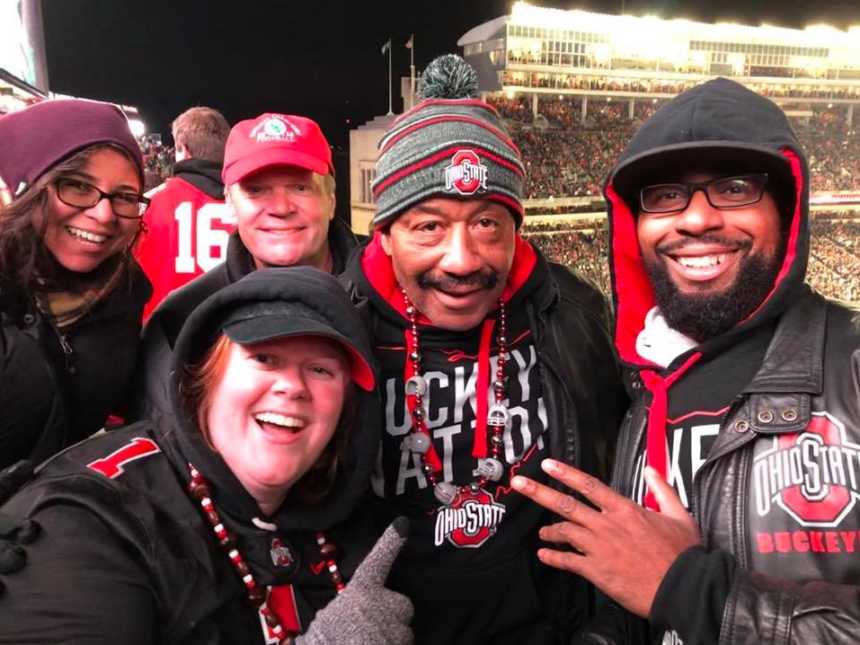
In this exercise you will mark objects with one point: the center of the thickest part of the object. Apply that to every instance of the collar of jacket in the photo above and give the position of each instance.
(342, 241)
(792, 372)
(239, 262)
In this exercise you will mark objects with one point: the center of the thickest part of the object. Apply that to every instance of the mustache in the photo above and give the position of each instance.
(707, 238)
(483, 279)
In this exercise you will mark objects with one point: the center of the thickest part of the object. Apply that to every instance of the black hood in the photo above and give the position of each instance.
(717, 122)
(202, 173)
(321, 293)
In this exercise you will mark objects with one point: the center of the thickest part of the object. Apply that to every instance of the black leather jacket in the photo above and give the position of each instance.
(803, 410)
(776, 496)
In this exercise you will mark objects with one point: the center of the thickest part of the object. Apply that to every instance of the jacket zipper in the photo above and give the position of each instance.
(548, 393)
(694, 498)
(68, 351)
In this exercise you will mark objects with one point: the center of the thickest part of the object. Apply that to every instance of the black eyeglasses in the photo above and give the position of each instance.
(724, 192)
(80, 194)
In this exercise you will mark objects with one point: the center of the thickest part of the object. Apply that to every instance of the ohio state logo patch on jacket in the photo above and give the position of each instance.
(803, 502)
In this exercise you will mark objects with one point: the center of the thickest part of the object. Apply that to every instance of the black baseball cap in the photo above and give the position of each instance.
(269, 320)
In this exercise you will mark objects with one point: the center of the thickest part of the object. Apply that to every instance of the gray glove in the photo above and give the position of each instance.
(367, 612)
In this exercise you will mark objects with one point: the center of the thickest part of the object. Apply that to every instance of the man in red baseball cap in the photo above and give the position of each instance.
(279, 185)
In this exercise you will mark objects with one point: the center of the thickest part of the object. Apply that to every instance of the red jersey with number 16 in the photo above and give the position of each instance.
(187, 235)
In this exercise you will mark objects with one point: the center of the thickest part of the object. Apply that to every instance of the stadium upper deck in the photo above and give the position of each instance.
(551, 51)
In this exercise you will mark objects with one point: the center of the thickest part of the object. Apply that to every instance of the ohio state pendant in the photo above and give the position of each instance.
(446, 492)
(416, 442)
(470, 520)
(281, 554)
(490, 468)
(416, 386)
(498, 416)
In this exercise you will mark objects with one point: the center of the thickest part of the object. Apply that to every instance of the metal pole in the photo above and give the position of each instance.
(390, 111)
(412, 71)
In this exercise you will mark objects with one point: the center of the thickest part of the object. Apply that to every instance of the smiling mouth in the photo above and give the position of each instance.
(700, 261)
(284, 231)
(704, 266)
(86, 236)
(279, 421)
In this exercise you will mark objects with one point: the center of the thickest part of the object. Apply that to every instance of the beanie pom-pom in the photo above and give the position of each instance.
(448, 77)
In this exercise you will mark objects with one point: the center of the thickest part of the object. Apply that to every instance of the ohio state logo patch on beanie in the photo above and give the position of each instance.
(466, 174)
(275, 128)
(814, 476)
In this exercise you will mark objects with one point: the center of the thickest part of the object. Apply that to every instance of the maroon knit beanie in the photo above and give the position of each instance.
(37, 138)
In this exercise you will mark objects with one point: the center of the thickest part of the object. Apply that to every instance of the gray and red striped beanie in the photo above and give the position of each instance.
(451, 144)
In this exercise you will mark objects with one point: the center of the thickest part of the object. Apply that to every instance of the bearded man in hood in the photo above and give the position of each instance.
(743, 439)
(492, 359)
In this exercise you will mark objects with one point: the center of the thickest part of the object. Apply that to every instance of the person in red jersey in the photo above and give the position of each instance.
(187, 223)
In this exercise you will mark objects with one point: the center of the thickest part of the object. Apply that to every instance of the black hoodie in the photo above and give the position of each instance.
(125, 553)
(481, 582)
(717, 123)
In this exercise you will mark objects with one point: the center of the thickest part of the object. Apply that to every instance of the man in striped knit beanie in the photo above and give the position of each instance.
(492, 359)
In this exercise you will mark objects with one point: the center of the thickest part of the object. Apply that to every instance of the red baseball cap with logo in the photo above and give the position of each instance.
(275, 140)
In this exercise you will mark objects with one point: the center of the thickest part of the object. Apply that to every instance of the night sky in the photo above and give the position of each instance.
(321, 59)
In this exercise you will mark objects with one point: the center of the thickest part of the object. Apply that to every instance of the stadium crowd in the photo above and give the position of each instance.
(158, 160)
(834, 267)
(567, 157)
(664, 86)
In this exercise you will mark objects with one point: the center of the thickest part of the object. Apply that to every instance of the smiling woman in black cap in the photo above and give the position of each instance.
(70, 292)
(236, 524)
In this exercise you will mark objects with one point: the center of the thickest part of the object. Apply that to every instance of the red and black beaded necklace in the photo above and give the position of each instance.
(198, 488)
(490, 466)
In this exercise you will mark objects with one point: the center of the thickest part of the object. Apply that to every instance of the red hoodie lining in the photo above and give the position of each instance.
(443, 154)
(630, 280)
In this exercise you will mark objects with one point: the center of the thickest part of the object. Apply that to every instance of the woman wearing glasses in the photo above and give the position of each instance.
(70, 293)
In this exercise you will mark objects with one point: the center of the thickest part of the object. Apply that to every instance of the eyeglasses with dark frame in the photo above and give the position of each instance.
(82, 194)
(722, 193)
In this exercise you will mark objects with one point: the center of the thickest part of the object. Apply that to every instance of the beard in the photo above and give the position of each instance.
(702, 316)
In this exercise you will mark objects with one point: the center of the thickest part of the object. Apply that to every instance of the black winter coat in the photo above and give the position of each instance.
(59, 386)
(125, 555)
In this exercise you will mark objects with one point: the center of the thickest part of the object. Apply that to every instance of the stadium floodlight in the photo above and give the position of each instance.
(138, 129)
